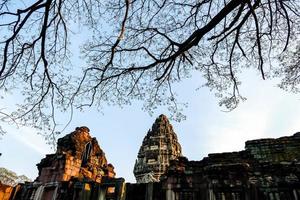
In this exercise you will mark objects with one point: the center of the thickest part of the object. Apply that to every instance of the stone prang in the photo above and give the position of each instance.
(159, 146)
(78, 156)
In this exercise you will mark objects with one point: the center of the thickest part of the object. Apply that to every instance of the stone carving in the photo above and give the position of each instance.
(78, 170)
(159, 146)
(148, 178)
(79, 156)
(268, 169)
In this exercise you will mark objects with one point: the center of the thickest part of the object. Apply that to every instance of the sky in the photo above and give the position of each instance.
(268, 112)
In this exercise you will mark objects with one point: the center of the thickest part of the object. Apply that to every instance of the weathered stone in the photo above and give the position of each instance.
(78, 170)
(78, 155)
(275, 150)
(160, 145)
(268, 169)
(6, 191)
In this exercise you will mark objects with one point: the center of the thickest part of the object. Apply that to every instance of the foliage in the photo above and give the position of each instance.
(8, 177)
(137, 50)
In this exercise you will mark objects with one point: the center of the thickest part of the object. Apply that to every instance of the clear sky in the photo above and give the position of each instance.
(268, 112)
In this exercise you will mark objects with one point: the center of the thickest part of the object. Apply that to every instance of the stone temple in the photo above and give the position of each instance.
(77, 170)
(267, 169)
(160, 145)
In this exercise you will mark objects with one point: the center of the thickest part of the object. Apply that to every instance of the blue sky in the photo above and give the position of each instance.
(268, 112)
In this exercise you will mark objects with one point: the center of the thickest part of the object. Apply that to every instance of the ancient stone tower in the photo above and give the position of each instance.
(159, 146)
(78, 156)
(78, 170)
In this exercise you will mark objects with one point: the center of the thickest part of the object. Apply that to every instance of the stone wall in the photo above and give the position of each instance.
(275, 150)
(108, 189)
(268, 169)
(5, 191)
(145, 191)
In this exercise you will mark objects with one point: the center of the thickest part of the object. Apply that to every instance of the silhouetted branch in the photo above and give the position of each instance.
(136, 50)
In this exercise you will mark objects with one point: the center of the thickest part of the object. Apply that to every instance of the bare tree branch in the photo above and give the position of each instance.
(136, 50)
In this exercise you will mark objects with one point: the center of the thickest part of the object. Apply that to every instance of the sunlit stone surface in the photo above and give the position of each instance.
(159, 146)
(267, 169)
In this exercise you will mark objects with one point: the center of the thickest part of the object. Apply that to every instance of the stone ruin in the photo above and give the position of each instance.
(268, 169)
(77, 170)
(160, 145)
(78, 155)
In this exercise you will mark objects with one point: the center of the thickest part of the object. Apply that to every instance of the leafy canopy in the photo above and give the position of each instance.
(137, 49)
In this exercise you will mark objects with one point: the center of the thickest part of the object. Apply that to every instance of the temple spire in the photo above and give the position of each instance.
(159, 146)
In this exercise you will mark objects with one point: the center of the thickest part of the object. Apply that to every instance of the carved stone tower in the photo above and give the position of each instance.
(78, 156)
(159, 146)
